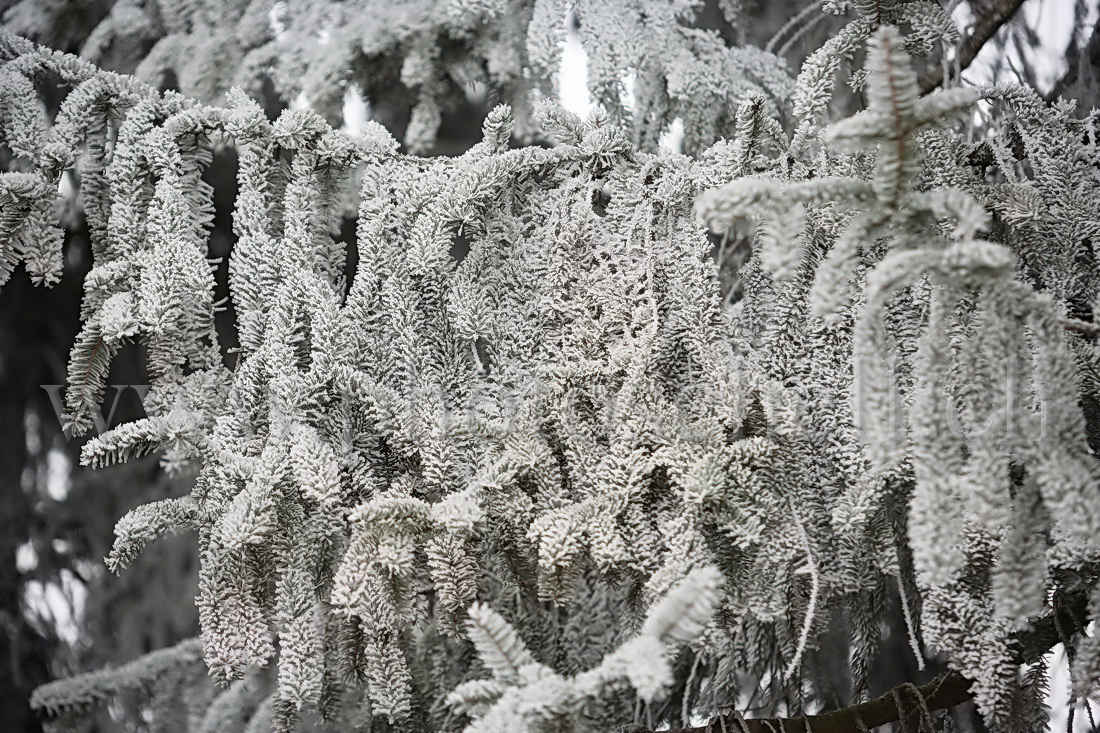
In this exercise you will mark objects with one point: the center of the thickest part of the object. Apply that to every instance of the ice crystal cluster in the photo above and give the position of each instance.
(523, 470)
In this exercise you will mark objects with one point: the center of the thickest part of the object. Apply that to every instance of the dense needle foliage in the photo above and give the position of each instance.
(531, 424)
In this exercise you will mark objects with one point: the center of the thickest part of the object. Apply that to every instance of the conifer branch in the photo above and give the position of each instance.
(531, 391)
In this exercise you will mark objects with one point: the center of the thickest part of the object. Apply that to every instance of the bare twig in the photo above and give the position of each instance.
(807, 13)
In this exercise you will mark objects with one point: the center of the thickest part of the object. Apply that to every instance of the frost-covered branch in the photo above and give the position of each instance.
(990, 19)
(528, 422)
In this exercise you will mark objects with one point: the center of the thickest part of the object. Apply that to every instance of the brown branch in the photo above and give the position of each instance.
(944, 692)
(987, 26)
(1085, 327)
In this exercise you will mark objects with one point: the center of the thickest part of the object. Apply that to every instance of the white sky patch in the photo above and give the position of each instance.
(672, 139)
(477, 92)
(59, 605)
(573, 74)
(56, 481)
(1053, 23)
(356, 109)
(1058, 698)
(58, 470)
(301, 102)
(572, 79)
(26, 559)
(66, 188)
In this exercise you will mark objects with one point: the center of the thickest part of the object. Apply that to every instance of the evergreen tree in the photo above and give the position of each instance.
(514, 454)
